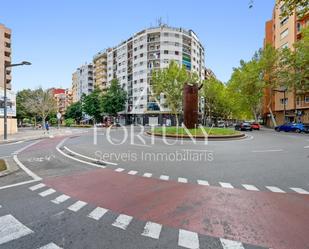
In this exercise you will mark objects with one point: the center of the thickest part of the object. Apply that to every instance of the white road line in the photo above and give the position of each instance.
(188, 239)
(306, 147)
(300, 191)
(0, 206)
(11, 229)
(77, 206)
(275, 189)
(250, 187)
(38, 186)
(97, 213)
(203, 182)
(182, 180)
(119, 169)
(50, 246)
(122, 221)
(87, 157)
(24, 168)
(226, 185)
(60, 199)
(147, 175)
(47, 192)
(132, 172)
(152, 230)
(18, 184)
(164, 177)
(26, 147)
(265, 151)
(230, 244)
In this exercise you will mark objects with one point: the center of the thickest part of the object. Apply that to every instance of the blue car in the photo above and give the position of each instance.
(295, 127)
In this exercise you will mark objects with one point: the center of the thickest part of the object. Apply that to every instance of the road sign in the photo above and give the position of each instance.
(58, 115)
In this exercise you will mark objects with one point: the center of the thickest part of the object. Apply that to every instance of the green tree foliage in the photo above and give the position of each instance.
(302, 7)
(91, 104)
(75, 111)
(114, 100)
(21, 110)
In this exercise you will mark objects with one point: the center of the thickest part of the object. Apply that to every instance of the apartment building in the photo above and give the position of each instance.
(100, 70)
(63, 98)
(82, 81)
(286, 105)
(133, 61)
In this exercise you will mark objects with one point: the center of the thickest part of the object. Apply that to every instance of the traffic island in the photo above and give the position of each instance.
(2, 165)
(198, 133)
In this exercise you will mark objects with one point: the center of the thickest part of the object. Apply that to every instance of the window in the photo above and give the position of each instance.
(141, 80)
(176, 52)
(177, 35)
(285, 45)
(307, 99)
(177, 44)
(165, 34)
(141, 55)
(135, 49)
(284, 33)
(141, 46)
(284, 100)
(284, 21)
(298, 100)
(165, 51)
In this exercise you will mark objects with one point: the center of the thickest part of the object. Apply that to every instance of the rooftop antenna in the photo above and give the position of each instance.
(251, 4)
(160, 21)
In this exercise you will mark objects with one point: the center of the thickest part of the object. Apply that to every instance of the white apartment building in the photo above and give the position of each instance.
(133, 61)
(82, 81)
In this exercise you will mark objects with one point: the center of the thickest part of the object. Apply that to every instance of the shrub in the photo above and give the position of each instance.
(69, 122)
(53, 121)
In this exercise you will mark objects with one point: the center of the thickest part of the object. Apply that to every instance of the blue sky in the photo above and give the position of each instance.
(57, 36)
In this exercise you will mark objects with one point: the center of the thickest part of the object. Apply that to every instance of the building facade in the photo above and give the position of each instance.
(63, 98)
(5, 55)
(286, 105)
(100, 70)
(133, 61)
(82, 81)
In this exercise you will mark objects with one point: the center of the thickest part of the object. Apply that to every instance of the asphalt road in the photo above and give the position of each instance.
(226, 194)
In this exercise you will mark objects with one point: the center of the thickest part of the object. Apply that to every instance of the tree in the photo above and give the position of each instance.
(301, 6)
(75, 111)
(91, 104)
(21, 110)
(170, 82)
(114, 99)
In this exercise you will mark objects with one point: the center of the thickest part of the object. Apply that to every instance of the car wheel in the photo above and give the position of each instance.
(298, 130)
(277, 129)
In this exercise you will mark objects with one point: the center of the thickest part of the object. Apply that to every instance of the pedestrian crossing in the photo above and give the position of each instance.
(227, 185)
(150, 230)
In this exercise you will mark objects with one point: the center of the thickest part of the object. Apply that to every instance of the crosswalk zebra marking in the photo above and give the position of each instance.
(300, 191)
(230, 244)
(203, 182)
(38, 186)
(50, 246)
(77, 206)
(119, 169)
(122, 221)
(147, 175)
(250, 187)
(164, 177)
(226, 185)
(188, 239)
(152, 230)
(11, 229)
(60, 199)
(132, 172)
(275, 189)
(97, 213)
(182, 180)
(47, 192)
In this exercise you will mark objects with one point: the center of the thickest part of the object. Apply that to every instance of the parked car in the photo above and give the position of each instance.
(221, 124)
(255, 126)
(294, 127)
(245, 126)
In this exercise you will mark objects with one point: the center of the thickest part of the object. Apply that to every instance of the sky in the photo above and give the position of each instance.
(58, 36)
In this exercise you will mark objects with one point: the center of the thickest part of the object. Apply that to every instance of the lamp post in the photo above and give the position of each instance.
(284, 102)
(5, 116)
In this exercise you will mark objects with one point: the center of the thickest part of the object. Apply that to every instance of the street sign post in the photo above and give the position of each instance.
(59, 118)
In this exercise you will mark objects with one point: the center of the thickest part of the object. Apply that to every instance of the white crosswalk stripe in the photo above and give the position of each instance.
(226, 185)
(77, 206)
(164, 177)
(38, 186)
(300, 191)
(147, 175)
(47, 192)
(188, 239)
(60, 199)
(119, 169)
(11, 229)
(275, 189)
(202, 182)
(50, 246)
(132, 172)
(230, 244)
(250, 187)
(122, 221)
(97, 213)
(183, 180)
(152, 230)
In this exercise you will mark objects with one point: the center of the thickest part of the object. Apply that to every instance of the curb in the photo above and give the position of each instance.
(9, 169)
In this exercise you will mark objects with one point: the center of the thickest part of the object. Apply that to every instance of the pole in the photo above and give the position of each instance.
(284, 111)
(5, 118)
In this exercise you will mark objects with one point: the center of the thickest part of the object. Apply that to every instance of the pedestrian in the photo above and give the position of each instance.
(47, 127)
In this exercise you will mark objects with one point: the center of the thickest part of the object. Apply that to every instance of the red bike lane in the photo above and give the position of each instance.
(276, 220)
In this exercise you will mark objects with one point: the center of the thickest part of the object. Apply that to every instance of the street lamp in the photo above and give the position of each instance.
(284, 102)
(23, 63)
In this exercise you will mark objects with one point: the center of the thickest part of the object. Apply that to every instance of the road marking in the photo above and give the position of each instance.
(47, 192)
(230, 244)
(147, 175)
(24, 168)
(60, 199)
(0, 206)
(226, 185)
(183, 180)
(202, 182)
(50, 246)
(18, 184)
(164, 177)
(152, 230)
(122, 221)
(77, 206)
(26, 147)
(306, 147)
(87, 157)
(265, 151)
(38, 186)
(275, 189)
(119, 169)
(188, 239)
(132, 172)
(250, 187)
(11, 229)
(97, 213)
(300, 191)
